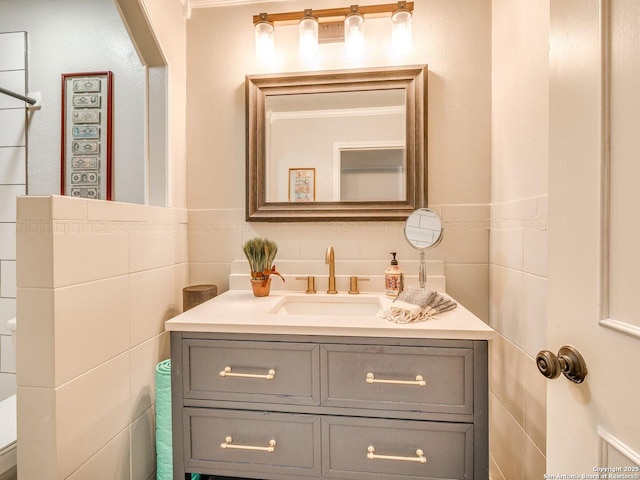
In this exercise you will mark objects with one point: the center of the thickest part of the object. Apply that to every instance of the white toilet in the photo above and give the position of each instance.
(8, 428)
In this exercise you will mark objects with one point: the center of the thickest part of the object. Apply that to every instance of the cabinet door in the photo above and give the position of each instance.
(237, 442)
(424, 379)
(369, 449)
(263, 372)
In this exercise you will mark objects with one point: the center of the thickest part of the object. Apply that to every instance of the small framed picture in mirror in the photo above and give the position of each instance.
(302, 184)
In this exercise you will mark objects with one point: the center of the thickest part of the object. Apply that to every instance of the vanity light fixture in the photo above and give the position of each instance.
(354, 33)
(308, 32)
(401, 28)
(334, 25)
(264, 33)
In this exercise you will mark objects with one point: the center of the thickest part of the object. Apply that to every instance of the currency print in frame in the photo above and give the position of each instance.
(302, 184)
(87, 135)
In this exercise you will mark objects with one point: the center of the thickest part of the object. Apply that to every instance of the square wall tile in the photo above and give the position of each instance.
(536, 252)
(8, 278)
(129, 212)
(69, 208)
(143, 446)
(90, 411)
(7, 385)
(34, 254)
(36, 431)
(506, 440)
(34, 208)
(534, 320)
(154, 300)
(35, 337)
(92, 325)
(111, 462)
(7, 241)
(144, 359)
(507, 248)
(7, 311)
(469, 285)
(494, 471)
(13, 132)
(535, 404)
(217, 245)
(13, 48)
(149, 249)
(13, 166)
(15, 81)
(7, 355)
(210, 274)
(8, 202)
(505, 376)
(80, 257)
(534, 461)
(506, 302)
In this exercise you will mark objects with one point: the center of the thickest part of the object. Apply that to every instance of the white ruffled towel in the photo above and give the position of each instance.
(417, 304)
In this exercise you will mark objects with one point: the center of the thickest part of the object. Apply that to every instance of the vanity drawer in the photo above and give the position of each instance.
(219, 440)
(359, 448)
(391, 378)
(262, 372)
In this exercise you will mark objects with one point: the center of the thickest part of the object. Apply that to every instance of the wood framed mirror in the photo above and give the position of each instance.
(336, 145)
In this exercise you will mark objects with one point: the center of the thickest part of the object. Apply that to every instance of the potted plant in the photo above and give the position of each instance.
(260, 253)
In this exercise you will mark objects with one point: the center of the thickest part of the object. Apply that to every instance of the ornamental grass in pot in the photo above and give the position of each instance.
(260, 253)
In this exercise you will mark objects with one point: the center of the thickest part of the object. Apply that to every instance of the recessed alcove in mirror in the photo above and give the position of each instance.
(336, 145)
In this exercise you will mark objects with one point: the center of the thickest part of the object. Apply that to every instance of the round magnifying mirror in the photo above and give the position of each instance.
(423, 230)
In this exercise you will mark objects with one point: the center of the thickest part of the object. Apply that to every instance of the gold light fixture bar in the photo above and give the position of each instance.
(333, 14)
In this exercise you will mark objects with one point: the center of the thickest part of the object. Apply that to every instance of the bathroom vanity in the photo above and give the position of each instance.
(296, 386)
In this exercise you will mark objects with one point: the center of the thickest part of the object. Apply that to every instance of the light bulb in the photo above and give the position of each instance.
(401, 30)
(354, 35)
(308, 35)
(265, 49)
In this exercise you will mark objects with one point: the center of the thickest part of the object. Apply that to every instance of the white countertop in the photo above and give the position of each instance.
(238, 311)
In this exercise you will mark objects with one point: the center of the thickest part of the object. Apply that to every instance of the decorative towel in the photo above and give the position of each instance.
(164, 451)
(417, 304)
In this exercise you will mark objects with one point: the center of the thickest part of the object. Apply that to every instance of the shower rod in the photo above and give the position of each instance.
(29, 100)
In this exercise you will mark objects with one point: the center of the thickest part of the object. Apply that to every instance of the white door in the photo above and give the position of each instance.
(594, 243)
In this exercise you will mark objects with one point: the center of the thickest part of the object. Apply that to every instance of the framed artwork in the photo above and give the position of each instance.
(87, 135)
(302, 184)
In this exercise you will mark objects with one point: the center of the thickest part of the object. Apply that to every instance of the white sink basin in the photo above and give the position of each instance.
(352, 305)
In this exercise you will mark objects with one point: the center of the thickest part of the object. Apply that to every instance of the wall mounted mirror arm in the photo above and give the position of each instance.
(423, 230)
(339, 145)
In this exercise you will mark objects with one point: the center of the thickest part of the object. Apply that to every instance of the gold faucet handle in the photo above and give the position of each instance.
(311, 283)
(353, 284)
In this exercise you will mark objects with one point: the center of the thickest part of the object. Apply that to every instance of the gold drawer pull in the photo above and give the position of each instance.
(419, 381)
(371, 455)
(227, 444)
(227, 373)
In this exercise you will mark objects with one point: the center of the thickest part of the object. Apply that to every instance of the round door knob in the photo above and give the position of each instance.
(569, 362)
(548, 364)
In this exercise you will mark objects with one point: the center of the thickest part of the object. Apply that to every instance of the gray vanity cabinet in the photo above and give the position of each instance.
(277, 407)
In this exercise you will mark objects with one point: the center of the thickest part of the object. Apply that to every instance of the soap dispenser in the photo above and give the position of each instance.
(393, 279)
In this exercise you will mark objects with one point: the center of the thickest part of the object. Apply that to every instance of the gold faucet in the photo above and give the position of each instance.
(331, 261)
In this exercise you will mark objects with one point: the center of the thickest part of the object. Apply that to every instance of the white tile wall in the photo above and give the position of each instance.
(92, 331)
(13, 76)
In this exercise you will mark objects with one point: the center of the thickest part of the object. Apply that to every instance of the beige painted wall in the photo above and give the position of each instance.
(451, 36)
(519, 223)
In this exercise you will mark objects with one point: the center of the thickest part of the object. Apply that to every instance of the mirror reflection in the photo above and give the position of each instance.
(336, 146)
(423, 229)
